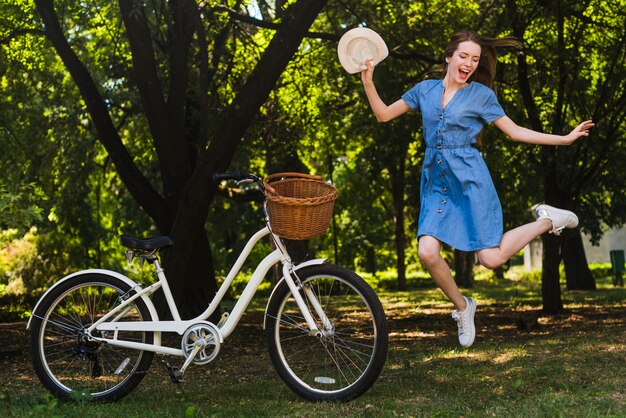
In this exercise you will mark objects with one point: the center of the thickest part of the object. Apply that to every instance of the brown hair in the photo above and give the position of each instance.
(486, 70)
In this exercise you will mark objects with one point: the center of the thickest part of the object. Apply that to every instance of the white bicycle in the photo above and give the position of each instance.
(95, 332)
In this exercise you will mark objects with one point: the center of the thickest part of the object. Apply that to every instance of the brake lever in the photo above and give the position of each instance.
(240, 182)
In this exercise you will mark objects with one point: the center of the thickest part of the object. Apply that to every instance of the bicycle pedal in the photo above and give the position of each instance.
(176, 376)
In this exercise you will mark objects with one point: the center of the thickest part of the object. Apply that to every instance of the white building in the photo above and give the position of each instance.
(613, 239)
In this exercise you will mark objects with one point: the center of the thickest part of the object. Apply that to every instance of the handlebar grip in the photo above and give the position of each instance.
(217, 177)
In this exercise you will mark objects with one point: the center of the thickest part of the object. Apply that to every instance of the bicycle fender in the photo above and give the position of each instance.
(314, 262)
(148, 302)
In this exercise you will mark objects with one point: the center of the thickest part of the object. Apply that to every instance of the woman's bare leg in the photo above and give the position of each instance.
(512, 241)
(429, 253)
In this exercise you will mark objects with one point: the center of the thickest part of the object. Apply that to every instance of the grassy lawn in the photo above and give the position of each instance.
(522, 364)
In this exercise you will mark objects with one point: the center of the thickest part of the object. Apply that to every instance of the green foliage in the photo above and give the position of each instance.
(191, 411)
(241, 281)
(57, 176)
(18, 208)
(387, 280)
(601, 271)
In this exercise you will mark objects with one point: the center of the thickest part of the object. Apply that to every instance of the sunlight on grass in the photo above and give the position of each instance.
(412, 334)
(509, 355)
(502, 357)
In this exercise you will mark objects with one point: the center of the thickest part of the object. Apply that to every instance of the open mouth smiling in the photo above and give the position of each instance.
(464, 73)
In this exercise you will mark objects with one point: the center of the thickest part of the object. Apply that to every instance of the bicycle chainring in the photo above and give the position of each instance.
(207, 336)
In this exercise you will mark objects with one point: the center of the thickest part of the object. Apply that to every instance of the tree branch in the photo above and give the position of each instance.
(139, 187)
(318, 35)
(173, 161)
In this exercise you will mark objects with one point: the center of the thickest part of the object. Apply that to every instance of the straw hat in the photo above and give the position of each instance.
(358, 45)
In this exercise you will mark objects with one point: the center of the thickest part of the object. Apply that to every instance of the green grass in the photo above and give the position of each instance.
(523, 364)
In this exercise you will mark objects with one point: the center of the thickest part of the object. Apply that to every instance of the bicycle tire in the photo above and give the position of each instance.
(71, 366)
(339, 365)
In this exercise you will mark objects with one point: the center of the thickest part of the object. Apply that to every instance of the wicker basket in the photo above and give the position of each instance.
(300, 206)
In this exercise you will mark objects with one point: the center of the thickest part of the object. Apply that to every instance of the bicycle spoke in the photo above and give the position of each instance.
(58, 324)
(333, 357)
(293, 323)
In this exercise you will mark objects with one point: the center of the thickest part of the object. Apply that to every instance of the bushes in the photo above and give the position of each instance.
(388, 280)
(16, 307)
(600, 271)
(23, 275)
(33, 262)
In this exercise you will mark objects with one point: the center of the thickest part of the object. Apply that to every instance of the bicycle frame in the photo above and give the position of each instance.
(110, 323)
(95, 332)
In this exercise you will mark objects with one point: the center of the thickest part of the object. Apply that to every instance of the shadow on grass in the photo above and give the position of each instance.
(523, 363)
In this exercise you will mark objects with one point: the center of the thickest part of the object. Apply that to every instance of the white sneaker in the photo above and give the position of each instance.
(465, 322)
(560, 218)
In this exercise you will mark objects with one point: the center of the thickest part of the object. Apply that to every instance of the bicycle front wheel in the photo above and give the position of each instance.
(70, 364)
(346, 358)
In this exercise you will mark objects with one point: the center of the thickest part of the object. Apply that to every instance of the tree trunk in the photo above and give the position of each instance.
(577, 273)
(498, 272)
(464, 268)
(551, 292)
(191, 296)
(397, 191)
(371, 266)
(199, 191)
(553, 189)
(550, 278)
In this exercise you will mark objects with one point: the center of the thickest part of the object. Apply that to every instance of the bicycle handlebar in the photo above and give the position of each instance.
(236, 175)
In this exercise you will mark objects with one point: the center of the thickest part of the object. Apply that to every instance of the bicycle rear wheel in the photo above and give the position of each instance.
(345, 360)
(70, 364)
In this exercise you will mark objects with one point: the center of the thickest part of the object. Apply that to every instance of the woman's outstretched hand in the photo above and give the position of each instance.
(580, 130)
(367, 72)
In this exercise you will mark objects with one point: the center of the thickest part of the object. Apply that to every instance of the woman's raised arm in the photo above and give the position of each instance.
(521, 134)
(382, 112)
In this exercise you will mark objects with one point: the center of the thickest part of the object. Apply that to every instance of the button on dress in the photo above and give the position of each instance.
(459, 203)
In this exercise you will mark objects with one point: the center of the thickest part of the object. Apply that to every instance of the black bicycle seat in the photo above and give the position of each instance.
(146, 243)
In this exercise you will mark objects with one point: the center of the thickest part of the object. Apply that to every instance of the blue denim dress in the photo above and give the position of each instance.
(459, 203)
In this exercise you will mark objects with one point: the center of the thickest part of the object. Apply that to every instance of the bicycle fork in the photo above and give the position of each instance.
(295, 286)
